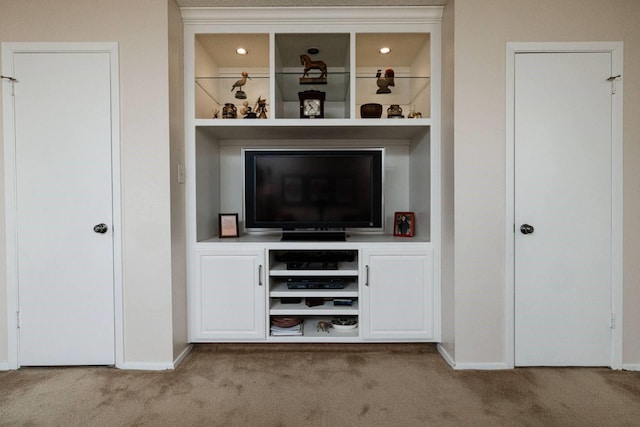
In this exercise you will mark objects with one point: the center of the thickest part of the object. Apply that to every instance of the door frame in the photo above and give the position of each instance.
(8, 51)
(616, 50)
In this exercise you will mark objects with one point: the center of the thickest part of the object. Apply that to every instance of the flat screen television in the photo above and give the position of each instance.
(313, 194)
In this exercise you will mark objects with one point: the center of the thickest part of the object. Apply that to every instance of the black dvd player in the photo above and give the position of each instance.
(315, 283)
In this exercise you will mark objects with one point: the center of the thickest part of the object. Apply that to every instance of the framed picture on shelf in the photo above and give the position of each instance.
(228, 225)
(403, 224)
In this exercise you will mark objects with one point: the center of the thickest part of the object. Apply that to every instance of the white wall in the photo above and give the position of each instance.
(482, 30)
(140, 28)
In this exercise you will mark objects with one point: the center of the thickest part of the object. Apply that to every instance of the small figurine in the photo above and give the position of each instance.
(313, 65)
(238, 84)
(413, 114)
(261, 108)
(214, 113)
(324, 326)
(386, 81)
(229, 111)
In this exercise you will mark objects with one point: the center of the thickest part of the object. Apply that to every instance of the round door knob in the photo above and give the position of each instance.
(526, 229)
(100, 228)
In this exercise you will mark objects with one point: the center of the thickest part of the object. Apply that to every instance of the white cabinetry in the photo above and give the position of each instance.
(398, 294)
(232, 298)
(228, 297)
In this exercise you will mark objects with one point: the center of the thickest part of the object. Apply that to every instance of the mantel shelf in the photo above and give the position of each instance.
(314, 128)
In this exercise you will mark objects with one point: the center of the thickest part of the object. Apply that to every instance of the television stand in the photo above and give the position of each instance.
(314, 236)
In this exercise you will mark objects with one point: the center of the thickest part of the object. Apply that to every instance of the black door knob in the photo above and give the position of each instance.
(100, 228)
(526, 229)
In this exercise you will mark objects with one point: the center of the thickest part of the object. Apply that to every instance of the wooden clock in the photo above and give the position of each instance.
(311, 104)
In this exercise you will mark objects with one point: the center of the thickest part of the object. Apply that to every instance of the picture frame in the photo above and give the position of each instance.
(404, 224)
(228, 225)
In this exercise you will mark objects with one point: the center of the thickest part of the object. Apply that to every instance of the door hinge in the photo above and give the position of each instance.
(613, 320)
(13, 81)
(613, 79)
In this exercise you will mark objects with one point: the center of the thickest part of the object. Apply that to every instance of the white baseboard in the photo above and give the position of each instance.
(465, 366)
(144, 366)
(150, 366)
(182, 356)
(631, 366)
(4, 366)
(481, 366)
(446, 356)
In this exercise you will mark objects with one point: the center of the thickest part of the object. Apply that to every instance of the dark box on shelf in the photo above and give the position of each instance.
(313, 302)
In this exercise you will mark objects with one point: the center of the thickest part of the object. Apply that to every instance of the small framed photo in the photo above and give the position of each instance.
(403, 224)
(228, 225)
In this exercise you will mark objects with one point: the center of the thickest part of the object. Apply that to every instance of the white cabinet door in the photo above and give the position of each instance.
(228, 298)
(398, 295)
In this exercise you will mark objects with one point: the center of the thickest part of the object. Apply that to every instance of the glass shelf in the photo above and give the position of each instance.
(407, 92)
(217, 91)
(288, 85)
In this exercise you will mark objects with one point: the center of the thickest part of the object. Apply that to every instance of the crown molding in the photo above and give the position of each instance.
(312, 15)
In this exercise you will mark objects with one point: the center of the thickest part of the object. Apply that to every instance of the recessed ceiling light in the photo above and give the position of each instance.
(384, 50)
(241, 51)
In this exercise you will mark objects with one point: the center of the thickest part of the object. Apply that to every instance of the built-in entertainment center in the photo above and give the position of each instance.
(315, 140)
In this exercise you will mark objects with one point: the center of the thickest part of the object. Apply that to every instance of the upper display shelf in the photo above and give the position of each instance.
(319, 75)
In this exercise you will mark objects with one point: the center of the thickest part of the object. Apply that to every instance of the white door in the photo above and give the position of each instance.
(65, 267)
(563, 205)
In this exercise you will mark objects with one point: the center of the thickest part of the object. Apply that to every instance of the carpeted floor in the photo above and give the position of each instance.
(318, 385)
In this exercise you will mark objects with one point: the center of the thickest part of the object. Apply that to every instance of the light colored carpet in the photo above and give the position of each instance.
(318, 385)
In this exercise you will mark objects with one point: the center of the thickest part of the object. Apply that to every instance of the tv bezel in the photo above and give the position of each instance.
(321, 230)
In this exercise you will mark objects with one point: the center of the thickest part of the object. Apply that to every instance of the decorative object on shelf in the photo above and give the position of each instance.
(285, 321)
(229, 111)
(247, 111)
(238, 84)
(314, 302)
(385, 81)
(228, 225)
(403, 224)
(371, 111)
(324, 326)
(309, 64)
(344, 323)
(413, 114)
(215, 113)
(261, 108)
(394, 112)
(311, 104)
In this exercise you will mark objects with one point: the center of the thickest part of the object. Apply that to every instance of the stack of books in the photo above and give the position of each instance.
(279, 331)
(284, 326)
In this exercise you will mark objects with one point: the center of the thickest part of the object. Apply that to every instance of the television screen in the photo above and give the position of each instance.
(319, 189)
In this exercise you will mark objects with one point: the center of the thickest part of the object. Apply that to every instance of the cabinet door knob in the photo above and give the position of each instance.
(259, 274)
(526, 229)
(100, 228)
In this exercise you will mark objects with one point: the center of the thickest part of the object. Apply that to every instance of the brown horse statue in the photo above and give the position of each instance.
(313, 65)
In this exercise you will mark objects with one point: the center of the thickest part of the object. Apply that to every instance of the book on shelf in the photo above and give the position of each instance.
(278, 331)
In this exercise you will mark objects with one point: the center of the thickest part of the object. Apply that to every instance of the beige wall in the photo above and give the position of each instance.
(447, 154)
(140, 28)
(482, 30)
(178, 207)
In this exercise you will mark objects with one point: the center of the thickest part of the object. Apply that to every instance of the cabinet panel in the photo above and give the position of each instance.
(229, 301)
(398, 295)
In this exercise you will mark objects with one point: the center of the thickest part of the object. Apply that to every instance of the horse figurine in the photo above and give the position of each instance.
(313, 65)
